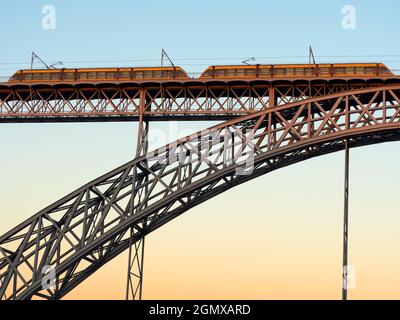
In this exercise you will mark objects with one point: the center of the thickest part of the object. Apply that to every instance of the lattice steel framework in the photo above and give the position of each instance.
(190, 100)
(134, 286)
(84, 230)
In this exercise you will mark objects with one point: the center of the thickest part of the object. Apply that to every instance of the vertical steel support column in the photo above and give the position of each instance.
(345, 221)
(134, 286)
(271, 97)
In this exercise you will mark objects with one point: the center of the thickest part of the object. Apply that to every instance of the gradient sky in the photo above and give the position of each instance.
(276, 237)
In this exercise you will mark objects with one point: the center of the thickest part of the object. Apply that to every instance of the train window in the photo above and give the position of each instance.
(124, 75)
(220, 73)
(69, 75)
(279, 72)
(207, 74)
(83, 75)
(369, 70)
(98, 75)
(110, 75)
(339, 70)
(138, 74)
(143, 74)
(181, 75)
(163, 73)
(307, 71)
(299, 71)
(250, 72)
(55, 76)
(240, 72)
(15, 77)
(289, 71)
(384, 70)
(41, 76)
(148, 74)
(349, 70)
(229, 72)
(324, 71)
(265, 72)
(359, 70)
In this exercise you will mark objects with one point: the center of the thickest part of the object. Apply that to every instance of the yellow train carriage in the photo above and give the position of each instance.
(214, 72)
(99, 74)
(296, 70)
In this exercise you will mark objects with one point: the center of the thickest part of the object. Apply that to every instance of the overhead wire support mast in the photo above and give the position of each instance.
(164, 54)
(311, 58)
(35, 56)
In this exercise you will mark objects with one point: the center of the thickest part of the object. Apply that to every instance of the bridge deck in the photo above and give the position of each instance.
(193, 99)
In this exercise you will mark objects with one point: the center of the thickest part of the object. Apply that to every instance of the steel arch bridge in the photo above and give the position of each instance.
(89, 227)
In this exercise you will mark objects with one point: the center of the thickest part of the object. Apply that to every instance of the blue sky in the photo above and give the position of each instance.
(134, 30)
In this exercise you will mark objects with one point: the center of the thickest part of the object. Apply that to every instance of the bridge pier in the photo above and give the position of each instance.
(345, 221)
(134, 286)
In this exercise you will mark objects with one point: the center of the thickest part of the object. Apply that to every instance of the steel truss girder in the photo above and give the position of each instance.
(166, 101)
(84, 230)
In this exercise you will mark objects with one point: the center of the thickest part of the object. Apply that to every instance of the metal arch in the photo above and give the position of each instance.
(86, 229)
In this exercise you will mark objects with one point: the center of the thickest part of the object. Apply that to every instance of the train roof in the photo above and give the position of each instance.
(102, 69)
(289, 65)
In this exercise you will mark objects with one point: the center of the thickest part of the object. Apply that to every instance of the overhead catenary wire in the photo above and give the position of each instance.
(214, 59)
(196, 63)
